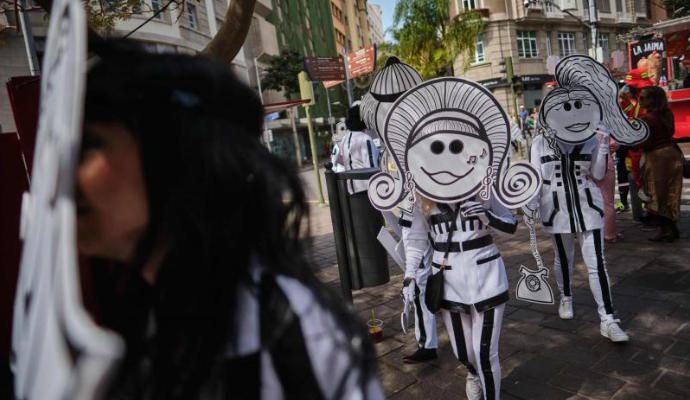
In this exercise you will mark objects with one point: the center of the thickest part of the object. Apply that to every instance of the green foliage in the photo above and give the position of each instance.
(383, 51)
(282, 73)
(103, 14)
(677, 8)
(429, 40)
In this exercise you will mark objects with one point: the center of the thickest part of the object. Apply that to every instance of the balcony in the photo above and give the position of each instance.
(624, 18)
(551, 11)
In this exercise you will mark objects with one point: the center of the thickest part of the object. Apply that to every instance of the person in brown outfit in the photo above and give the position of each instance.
(663, 166)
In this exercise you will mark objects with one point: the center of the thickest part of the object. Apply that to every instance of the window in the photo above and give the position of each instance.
(604, 6)
(479, 56)
(640, 7)
(191, 16)
(467, 5)
(603, 42)
(527, 44)
(155, 7)
(566, 43)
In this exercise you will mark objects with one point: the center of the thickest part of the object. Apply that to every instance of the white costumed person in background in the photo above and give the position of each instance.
(449, 139)
(575, 120)
(356, 149)
(394, 79)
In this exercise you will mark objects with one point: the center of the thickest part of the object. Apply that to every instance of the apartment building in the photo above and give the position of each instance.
(351, 24)
(531, 35)
(374, 15)
(177, 30)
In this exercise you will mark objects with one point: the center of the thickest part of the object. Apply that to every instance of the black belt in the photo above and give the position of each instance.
(467, 245)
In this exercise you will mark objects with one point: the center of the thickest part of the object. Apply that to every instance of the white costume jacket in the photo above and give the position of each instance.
(475, 274)
(570, 201)
(356, 151)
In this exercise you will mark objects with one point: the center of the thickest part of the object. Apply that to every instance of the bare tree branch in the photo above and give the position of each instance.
(228, 41)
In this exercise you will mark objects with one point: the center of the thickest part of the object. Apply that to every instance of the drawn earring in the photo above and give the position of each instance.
(410, 186)
(487, 182)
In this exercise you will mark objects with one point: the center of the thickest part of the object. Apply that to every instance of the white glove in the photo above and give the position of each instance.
(408, 290)
(474, 209)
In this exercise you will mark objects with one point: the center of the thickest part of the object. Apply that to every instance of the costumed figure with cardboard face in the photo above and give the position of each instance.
(575, 120)
(356, 149)
(391, 82)
(449, 139)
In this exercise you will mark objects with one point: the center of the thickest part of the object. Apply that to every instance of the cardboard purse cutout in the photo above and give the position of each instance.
(59, 352)
(449, 139)
(533, 285)
(586, 100)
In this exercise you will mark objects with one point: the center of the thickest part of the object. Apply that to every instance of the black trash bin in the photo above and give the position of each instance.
(362, 261)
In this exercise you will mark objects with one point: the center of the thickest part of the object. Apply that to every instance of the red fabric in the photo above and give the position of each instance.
(24, 93)
(13, 183)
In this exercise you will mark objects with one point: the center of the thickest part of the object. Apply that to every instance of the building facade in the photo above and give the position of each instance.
(175, 30)
(374, 14)
(541, 33)
(351, 24)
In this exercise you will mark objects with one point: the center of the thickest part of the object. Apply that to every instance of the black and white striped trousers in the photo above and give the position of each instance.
(592, 246)
(474, 338)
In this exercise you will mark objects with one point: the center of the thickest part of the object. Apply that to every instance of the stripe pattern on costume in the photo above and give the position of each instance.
(485, 355)
(459, 338)
(603, 280)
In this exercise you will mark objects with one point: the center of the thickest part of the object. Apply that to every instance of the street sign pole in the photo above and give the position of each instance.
(330, 115)
(347, 78)
(314, 156)
(306, 91)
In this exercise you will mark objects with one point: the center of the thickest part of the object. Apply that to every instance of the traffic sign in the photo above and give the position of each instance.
(325, 68)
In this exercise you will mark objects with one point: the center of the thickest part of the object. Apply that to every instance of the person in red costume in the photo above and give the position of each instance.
(635, 80)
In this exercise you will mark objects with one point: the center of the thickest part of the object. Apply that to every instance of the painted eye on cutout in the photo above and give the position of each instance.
(456, 146)
(578, 104)
(567, 106)
(437, 147)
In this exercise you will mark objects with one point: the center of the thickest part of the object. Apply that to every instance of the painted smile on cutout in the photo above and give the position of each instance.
(578, 127)
(444, 177)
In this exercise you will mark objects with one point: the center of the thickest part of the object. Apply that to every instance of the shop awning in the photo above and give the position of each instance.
(283, 105)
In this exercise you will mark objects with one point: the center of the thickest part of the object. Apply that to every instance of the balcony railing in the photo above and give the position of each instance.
(624, 18)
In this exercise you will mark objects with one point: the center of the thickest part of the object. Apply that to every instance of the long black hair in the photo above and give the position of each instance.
(217, 199)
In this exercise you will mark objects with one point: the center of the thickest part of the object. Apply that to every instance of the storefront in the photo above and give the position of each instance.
(671, 41)
(533, 89)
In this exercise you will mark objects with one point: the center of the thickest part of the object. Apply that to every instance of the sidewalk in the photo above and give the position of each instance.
(542, 356)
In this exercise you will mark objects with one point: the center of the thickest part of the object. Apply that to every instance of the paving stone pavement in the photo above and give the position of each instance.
(543, 357)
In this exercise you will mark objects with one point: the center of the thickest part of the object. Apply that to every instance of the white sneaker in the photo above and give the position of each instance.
(473, 387)
(613, 332)
(565, 308)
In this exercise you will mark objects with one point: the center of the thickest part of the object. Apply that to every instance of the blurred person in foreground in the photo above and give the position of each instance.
(192, 229)
(662, 170)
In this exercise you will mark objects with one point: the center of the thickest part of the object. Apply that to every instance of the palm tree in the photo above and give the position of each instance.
(429, 40)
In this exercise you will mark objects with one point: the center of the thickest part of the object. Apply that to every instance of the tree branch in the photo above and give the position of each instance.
(230, 37)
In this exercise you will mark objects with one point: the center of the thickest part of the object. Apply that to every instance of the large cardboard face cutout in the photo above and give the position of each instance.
(449, 137)
(394, 79)
(59, 352)
(585, 100)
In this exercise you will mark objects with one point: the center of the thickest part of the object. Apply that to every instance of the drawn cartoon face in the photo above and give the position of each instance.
(449, 165)
(574, 117)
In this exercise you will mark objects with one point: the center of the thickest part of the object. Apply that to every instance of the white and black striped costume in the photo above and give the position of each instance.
(289, 346)
(476, 285)
(571, 206)
(424, 320)
(356, 151)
